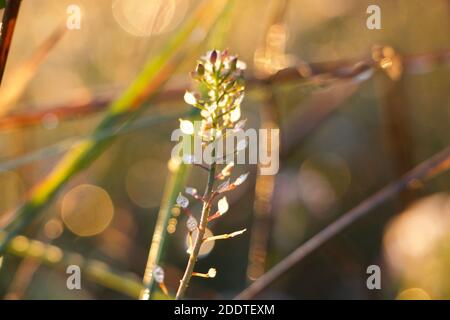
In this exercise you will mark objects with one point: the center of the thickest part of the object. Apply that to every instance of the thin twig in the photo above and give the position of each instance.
(426, 170)
(75, 109)
(323, 71)
(7, 30)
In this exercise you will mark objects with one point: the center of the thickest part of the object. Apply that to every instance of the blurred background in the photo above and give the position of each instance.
(342, 140)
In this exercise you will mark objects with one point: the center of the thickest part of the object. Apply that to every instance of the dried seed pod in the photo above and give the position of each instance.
(212, 272)
(186, 126)
(182, 201)
(222, 206)
(158, 274)
(191, 224)
(191, 191)
(190, 98)
(226, 171)
(213, 57)
(241, 179)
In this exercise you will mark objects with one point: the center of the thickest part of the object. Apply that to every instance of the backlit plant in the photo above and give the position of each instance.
(221, 91)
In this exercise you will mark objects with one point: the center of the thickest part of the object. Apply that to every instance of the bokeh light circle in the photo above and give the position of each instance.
(53, 229)
(413, 294)
(87, 210)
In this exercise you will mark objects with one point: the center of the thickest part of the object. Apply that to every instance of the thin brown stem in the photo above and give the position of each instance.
(397, 118)
(7, 31)
(338, 70)
(184, 283)
(424, 171)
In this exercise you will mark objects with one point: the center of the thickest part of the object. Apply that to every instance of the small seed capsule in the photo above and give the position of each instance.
(191, 224)
(158, 274)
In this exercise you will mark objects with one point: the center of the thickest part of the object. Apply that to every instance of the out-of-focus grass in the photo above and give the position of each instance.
(10, 93)
(155, 73)
(55, 257)
(67, 144)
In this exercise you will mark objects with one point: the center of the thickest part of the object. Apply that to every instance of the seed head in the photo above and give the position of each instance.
(222, 76)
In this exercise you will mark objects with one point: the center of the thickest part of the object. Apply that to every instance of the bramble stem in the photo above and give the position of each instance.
(184, 283)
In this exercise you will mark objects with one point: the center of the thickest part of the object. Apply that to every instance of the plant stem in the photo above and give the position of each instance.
(72, 109)
(174, 183)
(7, 30)
(184, 283)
